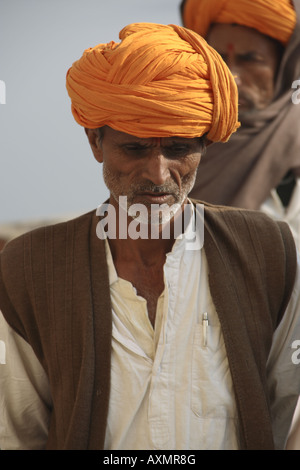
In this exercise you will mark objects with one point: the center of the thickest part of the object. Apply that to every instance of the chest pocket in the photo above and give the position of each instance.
(212, 393)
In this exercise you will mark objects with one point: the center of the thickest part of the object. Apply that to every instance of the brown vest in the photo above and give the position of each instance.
(54, 291)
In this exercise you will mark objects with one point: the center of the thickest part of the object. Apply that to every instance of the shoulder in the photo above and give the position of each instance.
(31, 253)
(220, 211)
(38, 238)
(238, 220)
(253, 233)
(32, 263)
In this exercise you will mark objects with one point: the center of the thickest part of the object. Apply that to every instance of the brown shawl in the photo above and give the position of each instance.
(242, 171)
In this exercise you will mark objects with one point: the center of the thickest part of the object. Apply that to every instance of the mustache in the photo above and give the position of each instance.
(168, 187)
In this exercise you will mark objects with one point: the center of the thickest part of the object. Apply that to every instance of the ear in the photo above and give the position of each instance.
(95, 143)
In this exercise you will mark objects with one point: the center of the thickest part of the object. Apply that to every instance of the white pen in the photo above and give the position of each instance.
(204, 327)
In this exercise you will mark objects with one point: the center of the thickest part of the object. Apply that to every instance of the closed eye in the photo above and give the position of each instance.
(135, 147)
(176, 150)
(250, 57)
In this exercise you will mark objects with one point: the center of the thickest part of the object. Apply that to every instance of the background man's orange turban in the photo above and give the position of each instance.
(159, 81)
(275, 18)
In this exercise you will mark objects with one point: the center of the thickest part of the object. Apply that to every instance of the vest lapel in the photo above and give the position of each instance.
(102, 320)
(250, 396)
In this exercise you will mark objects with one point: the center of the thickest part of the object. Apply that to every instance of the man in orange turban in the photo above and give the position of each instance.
(126, 328)
(260, 166)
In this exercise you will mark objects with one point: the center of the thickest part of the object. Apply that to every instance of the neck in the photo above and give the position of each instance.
(143, 252)
(143, 243)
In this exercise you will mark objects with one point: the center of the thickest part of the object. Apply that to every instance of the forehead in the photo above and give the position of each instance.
(242, 38)
(113, 135)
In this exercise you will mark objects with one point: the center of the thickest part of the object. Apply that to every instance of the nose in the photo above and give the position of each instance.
(231, 61)
(156, 168)
(236, 75)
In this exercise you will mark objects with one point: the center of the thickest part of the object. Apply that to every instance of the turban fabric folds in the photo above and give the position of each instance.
(274, 18)
(159, 81)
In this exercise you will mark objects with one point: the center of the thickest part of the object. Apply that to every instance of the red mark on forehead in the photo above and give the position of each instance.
(157, 140)
(230, 47)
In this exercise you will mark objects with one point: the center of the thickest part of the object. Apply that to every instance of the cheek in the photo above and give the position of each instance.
(185, 164)
(188, 171)
(266, 77)
(116, 169)
(193, 162)
(258, 82)
(261, 78)
(265, 83)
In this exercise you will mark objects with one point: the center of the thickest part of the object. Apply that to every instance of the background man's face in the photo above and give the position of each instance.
(252, 58)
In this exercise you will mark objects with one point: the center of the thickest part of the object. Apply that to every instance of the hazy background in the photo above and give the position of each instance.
(47, 167)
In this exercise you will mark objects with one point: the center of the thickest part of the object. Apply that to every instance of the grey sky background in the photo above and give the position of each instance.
(47, 167)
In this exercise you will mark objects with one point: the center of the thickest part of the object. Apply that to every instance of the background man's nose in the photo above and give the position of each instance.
(237, 75)
(231, 61)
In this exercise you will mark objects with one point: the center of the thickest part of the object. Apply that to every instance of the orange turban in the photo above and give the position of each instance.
(275, 18)
(159, 81)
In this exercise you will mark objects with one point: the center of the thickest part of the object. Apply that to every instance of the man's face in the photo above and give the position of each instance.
(149, 170)
(253, 59)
